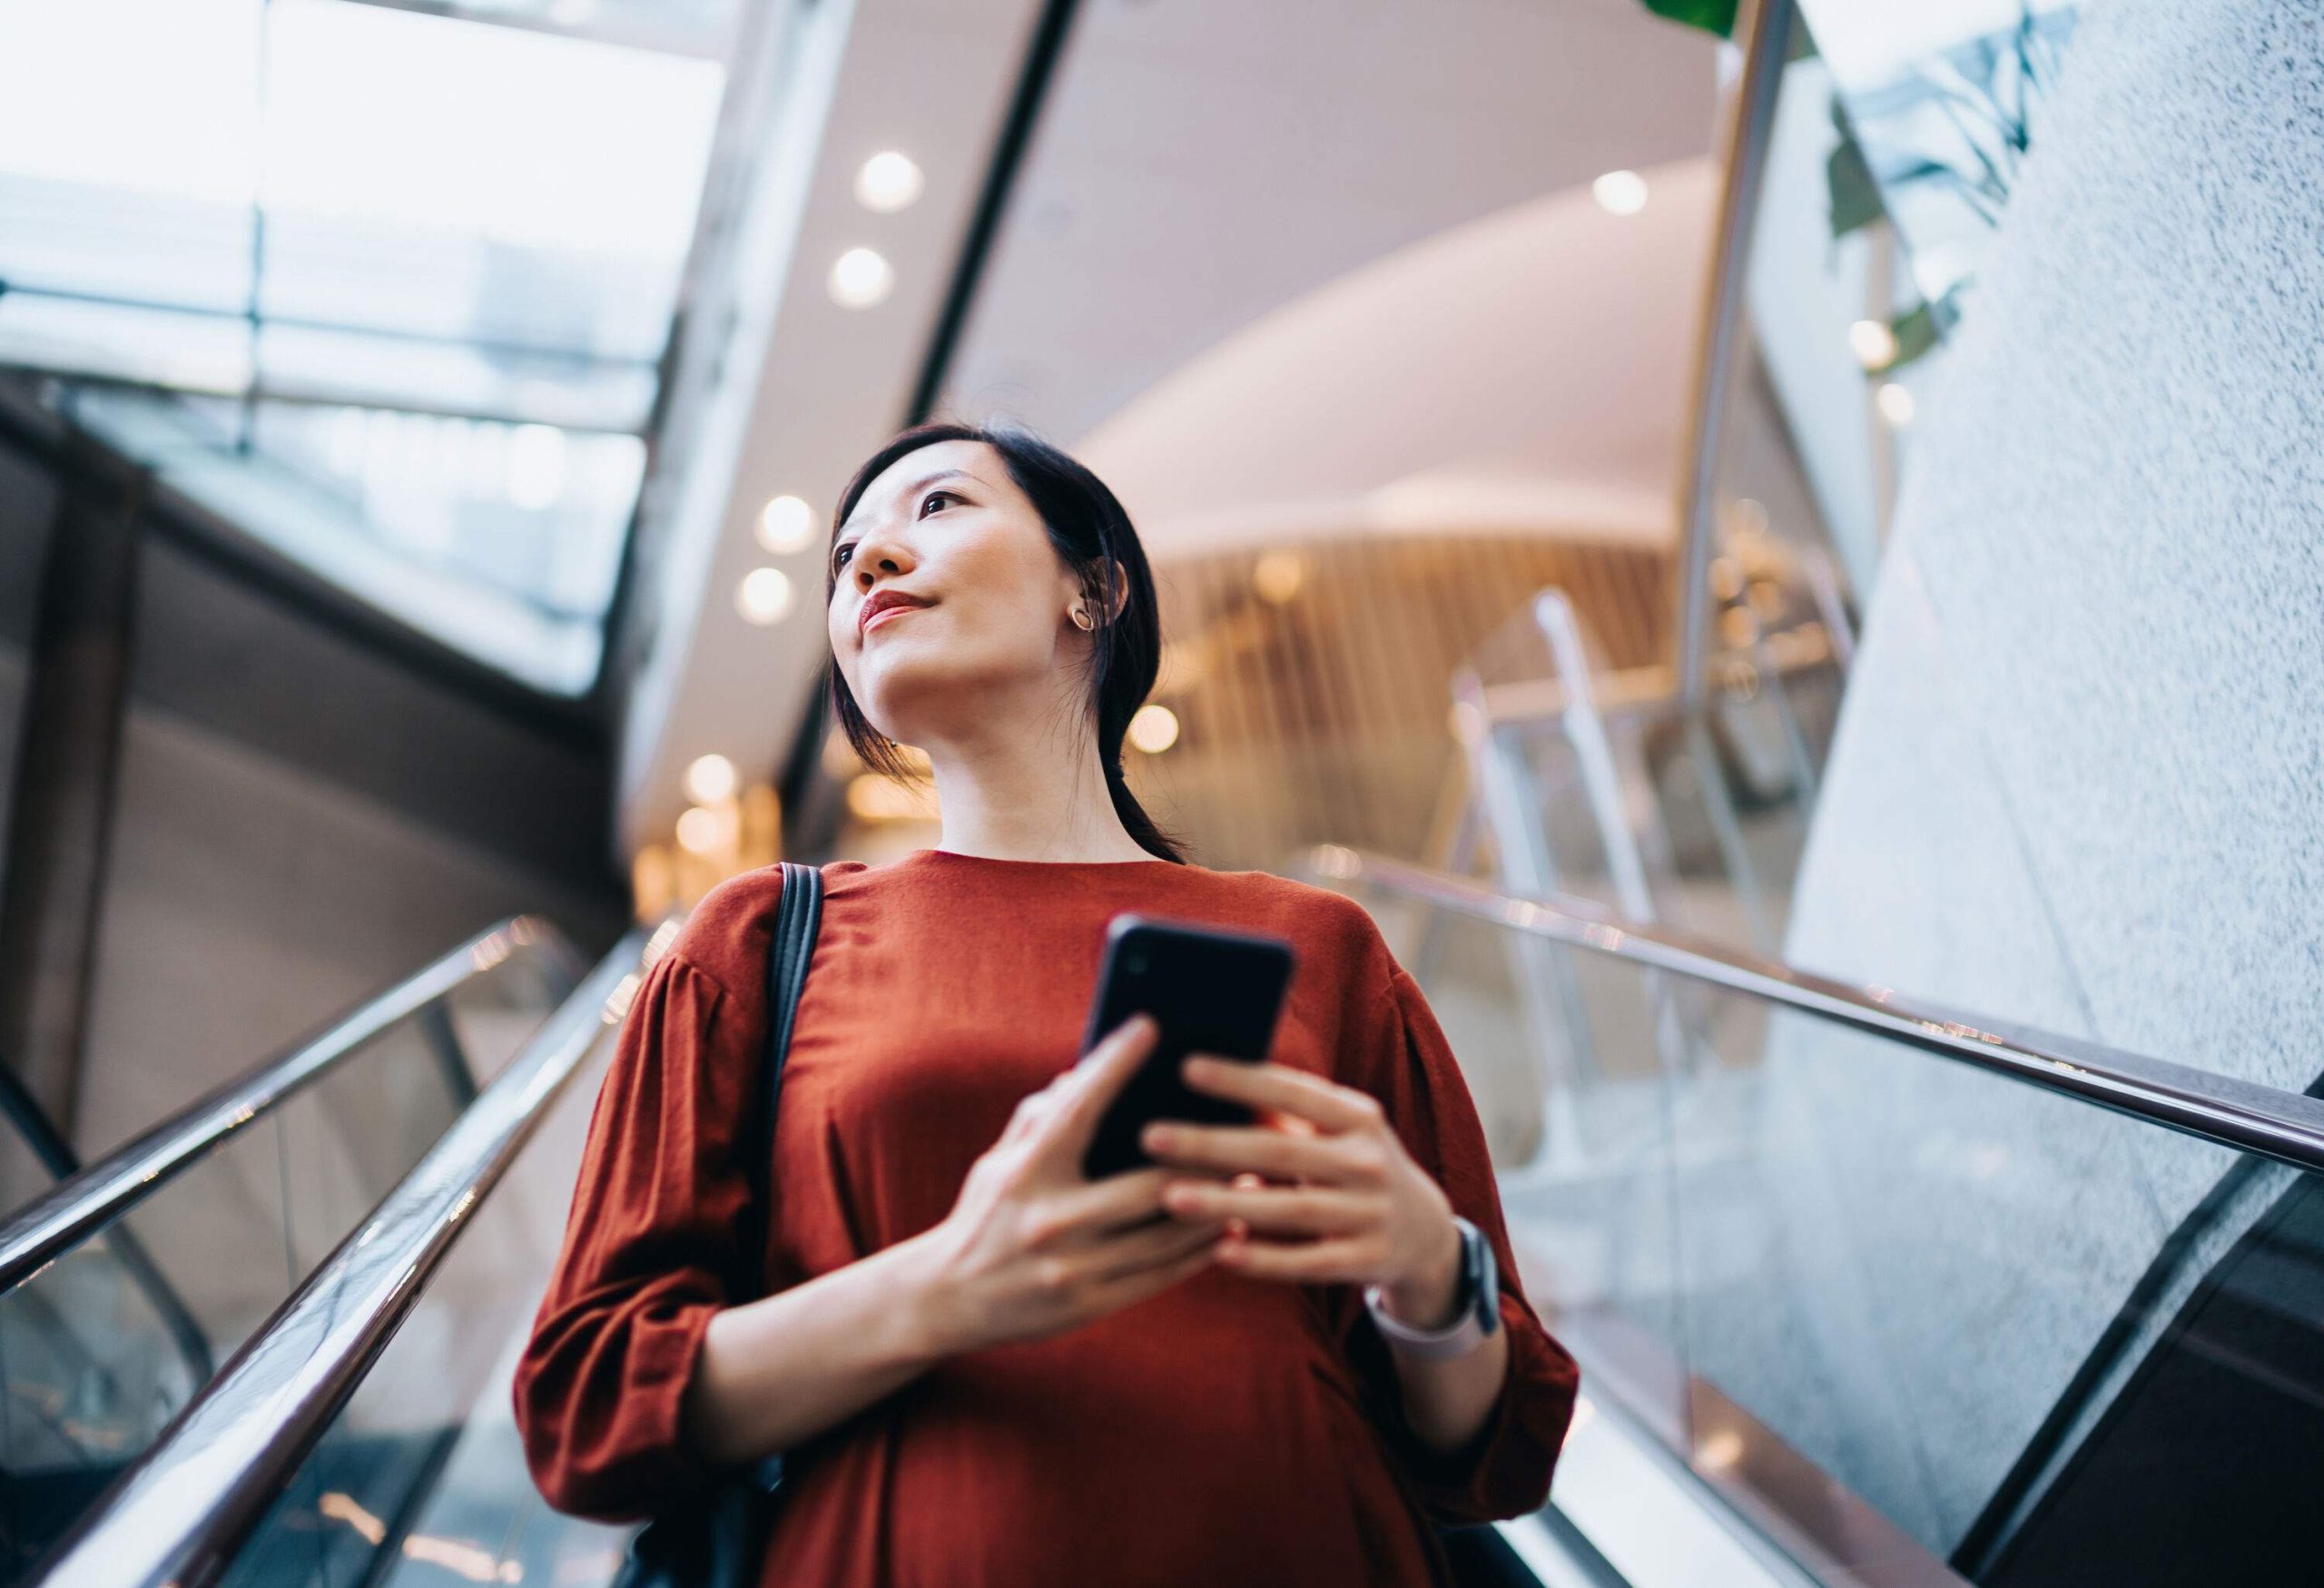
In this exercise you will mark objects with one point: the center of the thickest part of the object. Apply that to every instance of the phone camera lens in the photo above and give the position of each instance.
(1138, 962)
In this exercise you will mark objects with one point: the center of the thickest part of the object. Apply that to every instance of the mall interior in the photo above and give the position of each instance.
(1775, 549)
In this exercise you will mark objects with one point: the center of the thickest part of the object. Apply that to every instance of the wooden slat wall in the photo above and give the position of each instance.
(1326, 715)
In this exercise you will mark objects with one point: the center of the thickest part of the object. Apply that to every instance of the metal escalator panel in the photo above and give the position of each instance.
(125, 1285)
(1922, 1298)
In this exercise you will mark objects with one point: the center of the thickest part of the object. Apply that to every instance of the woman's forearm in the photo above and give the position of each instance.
(1446, 1400)
(775, 1372)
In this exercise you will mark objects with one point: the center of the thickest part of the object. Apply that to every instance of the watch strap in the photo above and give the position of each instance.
(1479, 1302)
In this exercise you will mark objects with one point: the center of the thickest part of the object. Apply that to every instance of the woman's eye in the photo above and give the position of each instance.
(933, 494)
(839, 557)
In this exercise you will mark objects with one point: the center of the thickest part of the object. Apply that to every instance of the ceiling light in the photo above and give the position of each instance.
(765, 595)
(1721, 1450)
(1896, 403)
(889, 181)
(1875, 344)
(861, 277)
(1619, 193)
(785, 526)
(711, 779)
(700, 831)
(1154, 728)
(1277, 576)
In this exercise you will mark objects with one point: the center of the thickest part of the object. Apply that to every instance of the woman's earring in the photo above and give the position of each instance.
(1081, 618)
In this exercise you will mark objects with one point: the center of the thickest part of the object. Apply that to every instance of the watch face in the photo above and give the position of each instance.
(1483, 1278)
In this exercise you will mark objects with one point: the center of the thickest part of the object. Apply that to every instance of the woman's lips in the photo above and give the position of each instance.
(885, 613)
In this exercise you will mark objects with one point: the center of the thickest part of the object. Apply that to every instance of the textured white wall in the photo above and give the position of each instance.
(2080, 781)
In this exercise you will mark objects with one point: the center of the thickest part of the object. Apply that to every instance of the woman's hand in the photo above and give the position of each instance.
(1323, 1189)
(1031, 1248)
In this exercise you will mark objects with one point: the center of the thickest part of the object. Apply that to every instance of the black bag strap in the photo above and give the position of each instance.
(798, 915)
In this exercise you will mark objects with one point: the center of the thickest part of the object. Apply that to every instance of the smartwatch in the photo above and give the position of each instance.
(1478, 1304)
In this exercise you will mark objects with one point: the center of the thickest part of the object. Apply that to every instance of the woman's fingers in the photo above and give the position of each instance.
(1098, 1206)
(1328, 1103)
(1151, 1246)
(1276, 1209)
(1321, 1262)
(1284, 1155)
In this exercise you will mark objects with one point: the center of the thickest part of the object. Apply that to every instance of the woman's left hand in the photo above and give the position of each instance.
(1323, 1189)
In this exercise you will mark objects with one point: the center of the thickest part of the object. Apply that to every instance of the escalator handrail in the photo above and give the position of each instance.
(2249, 1116)
(180, 1512)
(39, 1133)
(103, 1190)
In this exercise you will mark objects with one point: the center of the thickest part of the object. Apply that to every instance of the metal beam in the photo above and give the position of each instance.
(1764, 27)
(60, 818)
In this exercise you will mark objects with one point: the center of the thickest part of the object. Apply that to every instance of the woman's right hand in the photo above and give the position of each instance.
(1031, 1248)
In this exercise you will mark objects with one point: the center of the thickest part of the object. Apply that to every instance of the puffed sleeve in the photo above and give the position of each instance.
(649, 1243)
(1399, 1054)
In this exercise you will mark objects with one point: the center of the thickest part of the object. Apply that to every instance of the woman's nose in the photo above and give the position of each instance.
(878, 556)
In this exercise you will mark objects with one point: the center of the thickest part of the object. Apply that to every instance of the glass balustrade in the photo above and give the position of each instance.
(104, 1344)
(1907, 1315)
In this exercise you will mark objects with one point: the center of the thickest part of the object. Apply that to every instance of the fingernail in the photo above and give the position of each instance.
(1197, 1068)
(1159, 1137)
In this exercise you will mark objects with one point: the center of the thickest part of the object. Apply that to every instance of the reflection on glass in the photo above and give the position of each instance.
(1943, 101)
(1894, 1308)
(425, 518)
(421, 1478)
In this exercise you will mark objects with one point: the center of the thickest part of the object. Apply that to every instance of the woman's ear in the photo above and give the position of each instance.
(1120, 587)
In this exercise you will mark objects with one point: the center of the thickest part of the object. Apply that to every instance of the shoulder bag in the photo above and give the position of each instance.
(720, 1540)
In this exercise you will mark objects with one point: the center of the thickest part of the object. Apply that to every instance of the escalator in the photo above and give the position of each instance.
(2144, 1404)
(126, 1282)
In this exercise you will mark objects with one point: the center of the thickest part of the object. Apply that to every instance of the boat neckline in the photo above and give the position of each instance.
(944, 855)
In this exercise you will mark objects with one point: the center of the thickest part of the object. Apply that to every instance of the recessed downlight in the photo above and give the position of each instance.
(889, 181)
(860, 278)
(765, 595)
(712, 778)
(700, 832)
(1619, 193)
(1154, 728)
(1874, 344)
(786, 525)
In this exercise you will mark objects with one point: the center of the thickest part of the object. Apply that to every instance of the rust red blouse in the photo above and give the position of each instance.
(1229, 1431)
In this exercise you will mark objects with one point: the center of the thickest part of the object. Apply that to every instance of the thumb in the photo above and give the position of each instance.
(1096, 1082)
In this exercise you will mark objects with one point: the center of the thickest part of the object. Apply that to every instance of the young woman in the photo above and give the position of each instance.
(1274, 1357)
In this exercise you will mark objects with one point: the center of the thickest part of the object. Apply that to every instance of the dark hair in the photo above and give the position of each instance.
(1090, 530)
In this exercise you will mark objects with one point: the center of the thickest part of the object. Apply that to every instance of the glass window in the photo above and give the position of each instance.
(387, 289)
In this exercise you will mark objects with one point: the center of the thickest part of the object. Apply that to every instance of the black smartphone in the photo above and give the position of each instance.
(1211, 991)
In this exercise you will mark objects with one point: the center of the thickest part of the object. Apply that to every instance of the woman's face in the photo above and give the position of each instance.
(947, 527)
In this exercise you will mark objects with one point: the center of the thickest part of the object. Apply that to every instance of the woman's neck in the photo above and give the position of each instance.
(1034, 795)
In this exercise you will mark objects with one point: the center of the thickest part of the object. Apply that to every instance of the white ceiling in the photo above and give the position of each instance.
(1527, 371)
(1201, 162)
